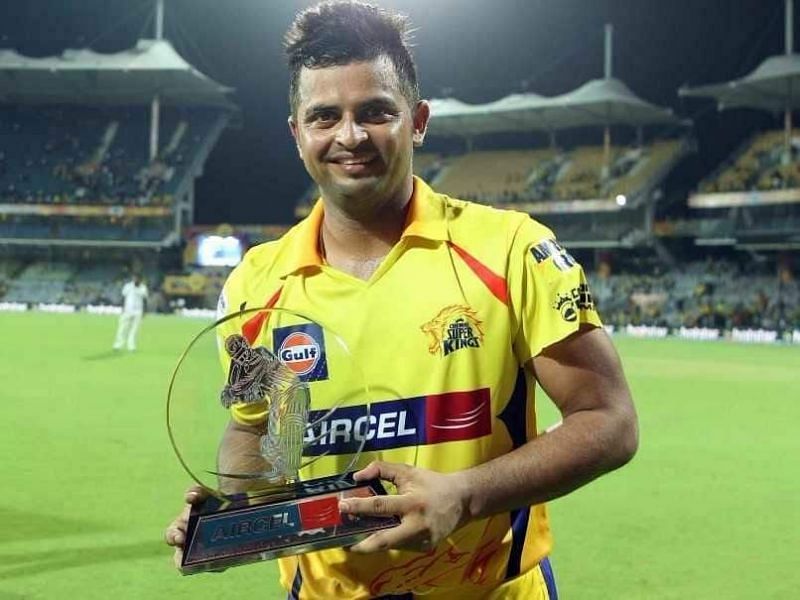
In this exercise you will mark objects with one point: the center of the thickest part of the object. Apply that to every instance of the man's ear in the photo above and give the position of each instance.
(293, 129)
(422, 114)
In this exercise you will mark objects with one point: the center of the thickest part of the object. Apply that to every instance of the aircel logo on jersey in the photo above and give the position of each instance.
(562, 259)
(419, 421)
(302, 349)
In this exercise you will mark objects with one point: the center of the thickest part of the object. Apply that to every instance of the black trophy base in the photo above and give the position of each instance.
(227, 534)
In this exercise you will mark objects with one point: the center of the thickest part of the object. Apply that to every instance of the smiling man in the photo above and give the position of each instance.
(456, 309)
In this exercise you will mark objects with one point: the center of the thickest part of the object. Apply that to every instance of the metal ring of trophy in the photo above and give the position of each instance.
(260, 379)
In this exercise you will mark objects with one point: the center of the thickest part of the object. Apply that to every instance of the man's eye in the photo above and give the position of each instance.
(377, 113)
(323, 118)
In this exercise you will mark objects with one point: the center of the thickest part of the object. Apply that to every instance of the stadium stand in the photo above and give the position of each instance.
(760, 164)
(40, 282)
(85, 156)
(712, 293)
(90, 159)
(541, 175)
(499, 176)
(81, 172)
(96, 284)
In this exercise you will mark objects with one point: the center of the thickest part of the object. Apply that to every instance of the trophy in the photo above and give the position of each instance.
(277, 492)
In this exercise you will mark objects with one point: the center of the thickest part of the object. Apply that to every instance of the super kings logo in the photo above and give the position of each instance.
(302, 349)
(454, 328)
(578, 298)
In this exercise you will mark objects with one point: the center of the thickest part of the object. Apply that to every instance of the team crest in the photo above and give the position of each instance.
(454, 328)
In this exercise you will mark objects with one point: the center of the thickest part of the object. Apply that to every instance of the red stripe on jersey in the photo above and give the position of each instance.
(454, 416)
(252, 327)
(496, 284)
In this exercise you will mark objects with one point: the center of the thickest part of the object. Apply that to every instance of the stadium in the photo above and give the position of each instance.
(148, 139)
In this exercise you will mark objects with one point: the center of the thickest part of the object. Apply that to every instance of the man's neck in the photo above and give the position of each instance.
(358, 245)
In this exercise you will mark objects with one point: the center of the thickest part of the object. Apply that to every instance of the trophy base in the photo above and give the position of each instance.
(222, 534)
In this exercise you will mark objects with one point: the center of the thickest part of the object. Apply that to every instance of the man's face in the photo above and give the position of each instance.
(355, 132)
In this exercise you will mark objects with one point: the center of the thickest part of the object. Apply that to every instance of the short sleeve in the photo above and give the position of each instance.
(550, 296)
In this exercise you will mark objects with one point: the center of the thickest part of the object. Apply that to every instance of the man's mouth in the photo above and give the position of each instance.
(354, 164)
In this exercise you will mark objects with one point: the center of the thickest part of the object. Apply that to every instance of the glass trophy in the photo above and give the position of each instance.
(268, 411)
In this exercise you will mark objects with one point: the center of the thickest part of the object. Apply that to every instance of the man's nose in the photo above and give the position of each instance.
(350, 133)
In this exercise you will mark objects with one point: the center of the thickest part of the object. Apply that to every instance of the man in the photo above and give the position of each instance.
(134, 297)
(457, 308)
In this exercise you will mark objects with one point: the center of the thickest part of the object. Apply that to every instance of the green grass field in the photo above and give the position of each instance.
(708, 509)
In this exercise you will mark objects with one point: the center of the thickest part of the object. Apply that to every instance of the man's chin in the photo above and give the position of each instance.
(357, 186)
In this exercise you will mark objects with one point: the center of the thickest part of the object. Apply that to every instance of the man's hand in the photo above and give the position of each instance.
(175, 535)
(430, 506)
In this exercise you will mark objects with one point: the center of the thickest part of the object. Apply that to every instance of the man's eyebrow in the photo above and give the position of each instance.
(380, 102)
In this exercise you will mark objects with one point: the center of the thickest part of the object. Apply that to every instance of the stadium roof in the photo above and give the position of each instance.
(774, 86)
(130, 77)
(597, 103)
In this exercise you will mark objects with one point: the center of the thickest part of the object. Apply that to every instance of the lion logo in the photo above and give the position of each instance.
(455, 327)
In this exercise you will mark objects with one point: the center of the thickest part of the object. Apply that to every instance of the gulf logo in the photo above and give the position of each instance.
(300, 352)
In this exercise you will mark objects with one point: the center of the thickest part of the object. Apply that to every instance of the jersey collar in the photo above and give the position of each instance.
(426, 215)
(426, 219)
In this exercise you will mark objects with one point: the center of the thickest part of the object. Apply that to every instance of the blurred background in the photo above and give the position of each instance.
(656, 138)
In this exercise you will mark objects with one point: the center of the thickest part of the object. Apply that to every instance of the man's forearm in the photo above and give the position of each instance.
(587, 444)
(239, 454)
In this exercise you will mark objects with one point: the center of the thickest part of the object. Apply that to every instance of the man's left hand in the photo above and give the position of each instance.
(430, 505)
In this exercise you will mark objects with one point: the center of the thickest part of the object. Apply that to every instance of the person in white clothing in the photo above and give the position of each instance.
(134, 295)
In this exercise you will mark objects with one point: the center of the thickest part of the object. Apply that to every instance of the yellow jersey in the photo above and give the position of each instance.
(424, 360)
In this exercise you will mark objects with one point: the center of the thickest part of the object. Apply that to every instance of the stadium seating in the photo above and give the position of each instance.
(718, 294)
(760, 164)
(40, 282)
(535, 175)
(492, 176)
(95, 157)
(84, 155)
(95, 284)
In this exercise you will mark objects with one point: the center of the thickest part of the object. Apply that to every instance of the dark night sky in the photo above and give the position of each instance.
(480, 50)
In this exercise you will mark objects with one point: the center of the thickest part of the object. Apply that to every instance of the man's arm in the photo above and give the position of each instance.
(583, 376)
(239, 452)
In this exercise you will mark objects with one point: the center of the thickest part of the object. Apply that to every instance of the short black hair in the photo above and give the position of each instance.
(341, 32)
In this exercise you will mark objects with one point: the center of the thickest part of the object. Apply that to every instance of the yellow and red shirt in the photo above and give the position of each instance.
(426, 359)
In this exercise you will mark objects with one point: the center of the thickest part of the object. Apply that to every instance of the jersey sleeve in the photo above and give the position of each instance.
(549, 293)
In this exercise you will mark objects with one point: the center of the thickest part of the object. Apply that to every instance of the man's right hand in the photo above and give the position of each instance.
(175, 535)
